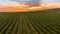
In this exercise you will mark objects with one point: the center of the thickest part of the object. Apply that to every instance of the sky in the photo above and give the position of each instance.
(6, 1)
(50, 1)
(18, 5)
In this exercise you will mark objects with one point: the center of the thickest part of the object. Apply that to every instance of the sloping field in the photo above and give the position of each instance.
(30, 23)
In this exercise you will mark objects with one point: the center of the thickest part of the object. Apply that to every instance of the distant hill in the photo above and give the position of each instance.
(48, 10)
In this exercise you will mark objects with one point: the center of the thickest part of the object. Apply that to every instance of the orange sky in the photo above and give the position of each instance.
(24, 8)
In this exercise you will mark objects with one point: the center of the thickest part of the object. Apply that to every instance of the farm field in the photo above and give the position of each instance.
(30, 23)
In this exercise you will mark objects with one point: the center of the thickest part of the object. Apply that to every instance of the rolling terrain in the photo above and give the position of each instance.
(35, 22)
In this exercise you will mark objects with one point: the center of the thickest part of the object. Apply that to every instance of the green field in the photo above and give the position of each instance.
(30, 22)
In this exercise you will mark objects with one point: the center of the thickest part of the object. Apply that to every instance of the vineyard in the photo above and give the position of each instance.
(30, 23)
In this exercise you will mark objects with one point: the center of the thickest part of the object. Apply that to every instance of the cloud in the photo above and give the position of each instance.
(44, 6)
(8, 7)
(22, 7)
